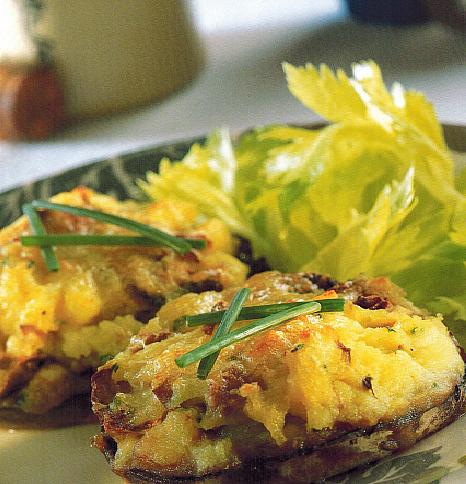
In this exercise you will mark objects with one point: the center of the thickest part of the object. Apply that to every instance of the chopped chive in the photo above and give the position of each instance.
(37, 227)
(79, 239)
(179, 324)
(176, 243)
(230, 316)
(256, 312)
(241, 333)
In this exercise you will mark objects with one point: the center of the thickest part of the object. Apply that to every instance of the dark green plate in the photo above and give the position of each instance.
(431, 460)
(116, 176)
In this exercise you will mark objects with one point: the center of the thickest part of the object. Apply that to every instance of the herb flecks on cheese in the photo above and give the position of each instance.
(311, 374)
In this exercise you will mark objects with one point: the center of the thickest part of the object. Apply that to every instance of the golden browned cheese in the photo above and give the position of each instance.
(99, 297)
(277, 391)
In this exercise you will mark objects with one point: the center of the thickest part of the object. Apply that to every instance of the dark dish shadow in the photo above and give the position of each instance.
(59, 456)
(413, 49)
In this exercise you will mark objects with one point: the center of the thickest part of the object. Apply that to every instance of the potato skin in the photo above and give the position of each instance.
(241, 403)
(339, 454)
(77, 317)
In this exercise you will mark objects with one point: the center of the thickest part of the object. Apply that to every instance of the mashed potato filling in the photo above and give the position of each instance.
(357, 368)
(101, 295)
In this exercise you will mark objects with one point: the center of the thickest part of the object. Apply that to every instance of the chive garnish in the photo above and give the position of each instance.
(256, 312)
(79, 239)
(229, 317)
(241, 333)
(176, 243)
(37, 227)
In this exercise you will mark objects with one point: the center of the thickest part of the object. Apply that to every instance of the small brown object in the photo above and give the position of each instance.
(346, 351)
(367, 383)
(31, 101)
(372, 302)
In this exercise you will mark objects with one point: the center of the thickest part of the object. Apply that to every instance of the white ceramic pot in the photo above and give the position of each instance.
(110, 54)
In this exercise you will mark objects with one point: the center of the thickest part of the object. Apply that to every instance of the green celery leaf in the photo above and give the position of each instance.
(206, 178)
(373, 192)
(352, 251)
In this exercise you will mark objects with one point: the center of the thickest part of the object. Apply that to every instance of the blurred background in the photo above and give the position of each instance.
(95, 79)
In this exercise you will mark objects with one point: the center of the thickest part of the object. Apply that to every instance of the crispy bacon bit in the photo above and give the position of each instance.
(156, 338)
(191, 256)
(203, 286)
(15, 372)
(222, 391)
(104, 388)
(164, 392)
(367, 383)
(122, 385)
(346, 351)
(372, 302)
(115, 421)
(321, 281)
(208, 328)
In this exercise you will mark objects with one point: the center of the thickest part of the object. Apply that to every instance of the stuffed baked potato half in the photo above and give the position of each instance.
(57, 327)
(311, 398)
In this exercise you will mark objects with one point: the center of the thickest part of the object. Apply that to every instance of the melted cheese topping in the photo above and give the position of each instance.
(358, 367)
(70, 314)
